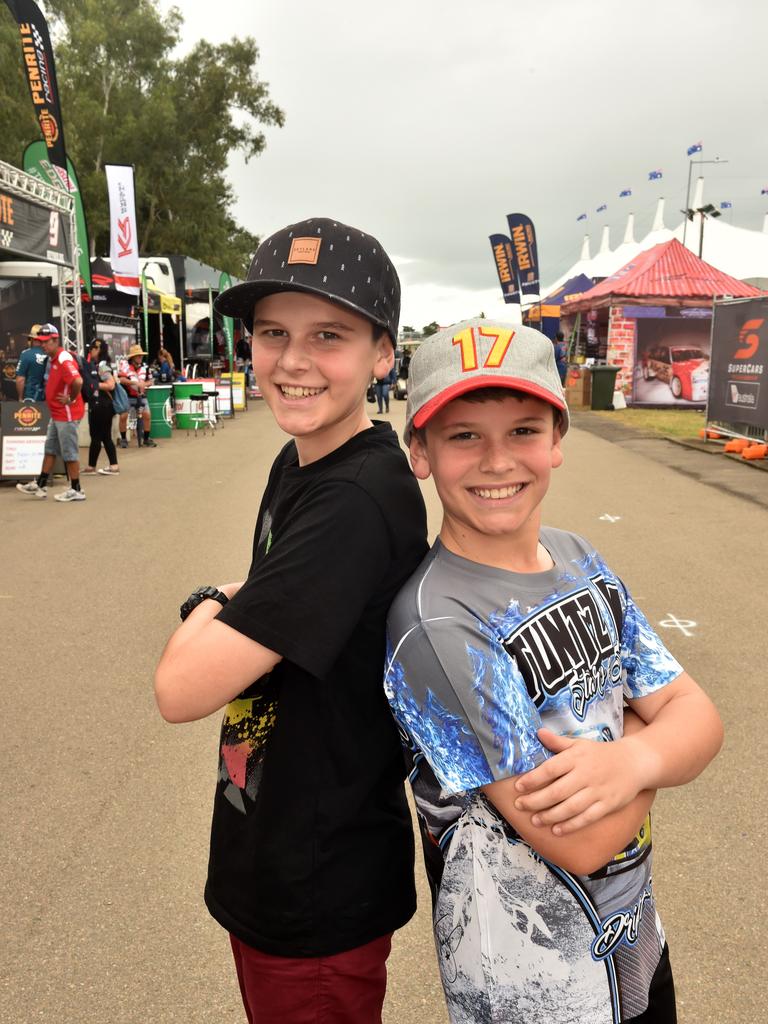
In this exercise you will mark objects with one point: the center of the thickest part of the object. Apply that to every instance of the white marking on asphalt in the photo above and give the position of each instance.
(608, 518)
(672, 622)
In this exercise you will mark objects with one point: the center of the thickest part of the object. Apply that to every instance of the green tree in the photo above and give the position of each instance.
(126, 99)
(429, 329)
(18, 125)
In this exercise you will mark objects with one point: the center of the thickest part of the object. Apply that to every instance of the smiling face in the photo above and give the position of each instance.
(491, 462)
(313, 360)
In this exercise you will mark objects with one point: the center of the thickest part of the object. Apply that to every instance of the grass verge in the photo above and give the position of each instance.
(665, 422)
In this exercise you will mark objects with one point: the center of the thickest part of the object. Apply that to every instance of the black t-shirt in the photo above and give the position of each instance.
(311, 845)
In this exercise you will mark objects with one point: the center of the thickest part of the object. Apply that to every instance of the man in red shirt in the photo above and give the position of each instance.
(65, 403)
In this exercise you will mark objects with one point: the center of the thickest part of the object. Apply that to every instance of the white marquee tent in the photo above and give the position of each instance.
(740, 252)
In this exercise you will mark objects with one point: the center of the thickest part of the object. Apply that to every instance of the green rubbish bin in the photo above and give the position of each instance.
(159, 399)
(603, 386)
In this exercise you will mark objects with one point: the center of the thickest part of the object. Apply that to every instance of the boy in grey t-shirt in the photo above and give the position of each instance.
(513, 643)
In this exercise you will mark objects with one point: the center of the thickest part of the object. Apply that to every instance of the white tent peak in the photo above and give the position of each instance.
(629, 231)
(605, 241)
(765, 223)
(658, 220)
(584, 250)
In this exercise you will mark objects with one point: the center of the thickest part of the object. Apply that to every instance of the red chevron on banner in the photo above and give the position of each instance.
(124, 236)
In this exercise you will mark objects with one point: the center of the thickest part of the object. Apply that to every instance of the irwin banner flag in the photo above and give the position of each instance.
(504, 259)
(523, 239)
(123, 233)
(40, 71)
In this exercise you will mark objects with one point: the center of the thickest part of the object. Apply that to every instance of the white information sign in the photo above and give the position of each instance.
(22, 456)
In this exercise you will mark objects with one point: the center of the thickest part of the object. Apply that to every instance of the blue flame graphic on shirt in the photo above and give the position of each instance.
(454, 752)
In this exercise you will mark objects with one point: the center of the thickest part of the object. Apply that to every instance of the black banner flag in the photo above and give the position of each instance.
(523, 236)
(504, 259)
(37, 57)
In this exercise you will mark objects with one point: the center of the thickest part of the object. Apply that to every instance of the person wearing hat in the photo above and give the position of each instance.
(514, 642)
(135, 376)
(63, 396)
(30, 369)
(311, 862)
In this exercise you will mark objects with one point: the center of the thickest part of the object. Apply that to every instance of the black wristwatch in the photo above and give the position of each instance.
(198, 596)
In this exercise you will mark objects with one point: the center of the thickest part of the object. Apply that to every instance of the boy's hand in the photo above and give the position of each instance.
(585, 781)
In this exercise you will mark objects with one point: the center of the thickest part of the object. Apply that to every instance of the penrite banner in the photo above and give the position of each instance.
(37, 54)
(738, 379)
(505, 267)
(123, 235)
(36, 162)
(28, 229)
(523, 238)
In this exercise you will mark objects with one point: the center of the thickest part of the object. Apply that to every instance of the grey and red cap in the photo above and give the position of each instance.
(323, 257)
(45, 332)
(476, 354)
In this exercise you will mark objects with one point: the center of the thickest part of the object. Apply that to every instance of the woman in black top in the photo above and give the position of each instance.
(100, 409)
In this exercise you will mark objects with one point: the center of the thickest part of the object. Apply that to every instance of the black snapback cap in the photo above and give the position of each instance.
(323, 257)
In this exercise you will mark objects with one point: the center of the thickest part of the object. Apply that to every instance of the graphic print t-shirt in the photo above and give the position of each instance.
(31, 366)
(478, 660)
(311, 846)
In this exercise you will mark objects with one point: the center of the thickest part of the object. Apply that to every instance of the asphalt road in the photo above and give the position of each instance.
(105, 808)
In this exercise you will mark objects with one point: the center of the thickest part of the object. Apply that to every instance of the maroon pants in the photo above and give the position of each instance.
(347, 988)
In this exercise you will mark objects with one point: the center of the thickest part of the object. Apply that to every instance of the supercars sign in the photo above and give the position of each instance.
(738, 386)
(27, 229)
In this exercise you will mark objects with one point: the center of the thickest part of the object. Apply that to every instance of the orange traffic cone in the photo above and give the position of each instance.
(737, 444)
(755, 451)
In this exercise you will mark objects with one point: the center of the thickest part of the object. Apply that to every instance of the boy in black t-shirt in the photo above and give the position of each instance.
(311, 865)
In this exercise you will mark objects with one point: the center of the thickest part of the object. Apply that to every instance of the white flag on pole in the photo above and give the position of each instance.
(123, 234)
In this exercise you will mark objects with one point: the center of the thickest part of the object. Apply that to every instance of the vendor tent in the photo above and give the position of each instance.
(546, 315)
(652, 320)
(667, 271)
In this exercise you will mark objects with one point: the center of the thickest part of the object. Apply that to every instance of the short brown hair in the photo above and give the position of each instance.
(497, 394)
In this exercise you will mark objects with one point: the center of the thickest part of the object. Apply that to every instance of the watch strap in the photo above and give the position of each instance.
(197, 597)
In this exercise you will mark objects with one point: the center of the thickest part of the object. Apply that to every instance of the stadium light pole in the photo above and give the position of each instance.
(717, 160)
(703, 212)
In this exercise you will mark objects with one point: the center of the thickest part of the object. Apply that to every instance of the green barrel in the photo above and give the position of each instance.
(159, 398)
(603, 386)
(185, 411)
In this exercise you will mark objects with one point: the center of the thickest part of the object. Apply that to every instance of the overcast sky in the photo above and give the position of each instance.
(425, 123)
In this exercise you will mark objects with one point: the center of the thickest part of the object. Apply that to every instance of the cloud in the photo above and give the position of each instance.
(426, 123)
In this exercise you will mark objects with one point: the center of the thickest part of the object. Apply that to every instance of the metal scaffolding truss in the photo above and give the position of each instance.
(28, 186)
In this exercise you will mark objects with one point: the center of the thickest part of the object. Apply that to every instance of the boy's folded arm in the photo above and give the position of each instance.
(683, 733)
(585, 780)
(587, 850)
(205, 665)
